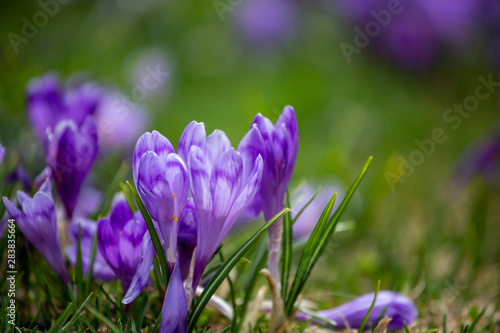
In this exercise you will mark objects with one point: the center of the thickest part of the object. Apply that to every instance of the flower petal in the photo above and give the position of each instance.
(174, 311)
(108, 243)
(154, 142)
(251, 146)
(217, 143)
(194, 135)
(177, 177)
(141, 276)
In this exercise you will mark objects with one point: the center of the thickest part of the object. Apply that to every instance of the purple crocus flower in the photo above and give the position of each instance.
(71, 150)
(48, 103)
(389, 303)
(281, 142)
(38, 223)
(266, 23)
(101, 270)
(223, 183)
(2, 153)
(119, 238)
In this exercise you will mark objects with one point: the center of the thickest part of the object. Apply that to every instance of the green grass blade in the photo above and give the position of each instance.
(227, 329)
(287, 251)
(223, 272)
(88, 283)
(154, 236)
(318, 240)
(76, 315)
(407, 329)
(112, 327)
(62, 319)
(365, 319)
(306, 205)
(300, 275)
(79, 266)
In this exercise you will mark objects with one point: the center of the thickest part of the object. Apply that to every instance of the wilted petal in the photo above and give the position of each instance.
(396, 306)
(154, 142)
(174, 312)
(194, 135)
(141, 275)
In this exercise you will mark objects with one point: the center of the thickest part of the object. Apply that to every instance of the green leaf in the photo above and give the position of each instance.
(287, 243)
(301, 275)
(324, 230)
(226, 329)
(154, 236)
(79, 266)
(62, 319)
(365, 319)
(88, 283)
(76, 315)
(140, 307)
(221, 274)
(306, 205)
(112, 327)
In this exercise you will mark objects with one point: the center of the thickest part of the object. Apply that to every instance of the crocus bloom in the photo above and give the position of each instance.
(119, 238)
(48, 103)
(2, 153)
(482, 158)
(71, 150)
(266, 23)
(389, 303)
(281, 142)
(119, 121)
(101, 269)
(223, 183)
(38, 223)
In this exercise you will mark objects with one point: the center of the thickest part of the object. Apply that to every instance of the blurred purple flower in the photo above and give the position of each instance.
(2, 153)
(411, 33)
(305, 224)
(19, 175)
(119, 238)
(266, 24)
(71, 150)
(38, 223)
(389, 303)
(101, 270)
(481, 158)
(119, 121)
(281, 142)
(48, 103)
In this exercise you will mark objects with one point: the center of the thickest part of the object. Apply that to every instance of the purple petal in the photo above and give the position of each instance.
(120, 213)
(245, 197)
(251, 146)
(155, 192)
(154, 142)
(177, 177)
(225, 182)
(141, 275)
(397, 306)
(200, 183)
(217, 143)
(194, 135)
(108, 243)
(174, 311)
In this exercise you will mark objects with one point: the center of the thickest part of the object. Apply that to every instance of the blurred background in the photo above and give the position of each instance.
(366, 77)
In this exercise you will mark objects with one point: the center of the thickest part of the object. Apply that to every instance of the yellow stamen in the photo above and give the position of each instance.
(175, 218)
(173, 196)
